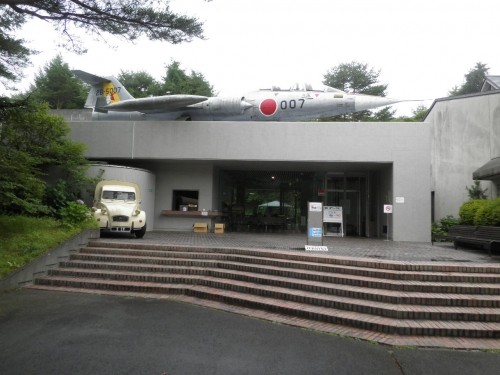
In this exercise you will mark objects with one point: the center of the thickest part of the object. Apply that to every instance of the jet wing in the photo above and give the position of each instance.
(155, 104)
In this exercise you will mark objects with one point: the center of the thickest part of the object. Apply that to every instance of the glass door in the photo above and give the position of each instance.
(349, 192)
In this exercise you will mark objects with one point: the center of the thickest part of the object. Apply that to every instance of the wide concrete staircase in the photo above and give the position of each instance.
(398, 303)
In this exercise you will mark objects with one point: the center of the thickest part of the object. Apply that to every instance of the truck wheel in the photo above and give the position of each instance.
(141, 232)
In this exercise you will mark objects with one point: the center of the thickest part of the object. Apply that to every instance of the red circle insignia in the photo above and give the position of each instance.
(268, 107)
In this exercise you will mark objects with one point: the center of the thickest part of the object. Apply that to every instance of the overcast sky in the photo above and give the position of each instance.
(422, 48)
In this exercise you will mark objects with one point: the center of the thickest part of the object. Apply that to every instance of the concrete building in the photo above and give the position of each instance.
(212, 171)
(208, 171)
(464, 136)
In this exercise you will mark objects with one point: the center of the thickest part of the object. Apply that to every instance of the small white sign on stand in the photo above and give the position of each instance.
(316, 248)
(333, 214)
(315, 224)
(387, 210)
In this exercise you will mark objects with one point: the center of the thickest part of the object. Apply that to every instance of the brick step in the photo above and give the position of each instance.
(297, 257)
(163, 257)
(263, 274)
(490, 287)
(320, 294)
(305, 310)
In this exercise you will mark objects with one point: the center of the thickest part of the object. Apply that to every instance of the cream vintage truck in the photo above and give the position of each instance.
(117, 207)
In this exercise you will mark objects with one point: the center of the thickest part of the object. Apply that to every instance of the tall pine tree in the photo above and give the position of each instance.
(57, 86)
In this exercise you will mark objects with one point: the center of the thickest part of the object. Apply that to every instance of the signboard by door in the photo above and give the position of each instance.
(388, 211)
(315, 223)
(333, 215)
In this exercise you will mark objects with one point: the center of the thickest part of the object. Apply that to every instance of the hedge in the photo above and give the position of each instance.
(480, 212)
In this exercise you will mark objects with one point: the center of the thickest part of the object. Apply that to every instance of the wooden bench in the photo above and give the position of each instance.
(485, 237)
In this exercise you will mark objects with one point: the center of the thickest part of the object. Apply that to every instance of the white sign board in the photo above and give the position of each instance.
(316, 248)
(315, 207)
(387, 208)
(332, 214)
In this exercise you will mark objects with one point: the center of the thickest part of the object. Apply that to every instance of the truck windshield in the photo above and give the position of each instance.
(119, 195)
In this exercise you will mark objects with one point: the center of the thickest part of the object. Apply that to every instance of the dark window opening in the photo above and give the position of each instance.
(185, 200)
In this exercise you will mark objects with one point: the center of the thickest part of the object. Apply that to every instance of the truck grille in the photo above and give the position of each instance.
(120, 218)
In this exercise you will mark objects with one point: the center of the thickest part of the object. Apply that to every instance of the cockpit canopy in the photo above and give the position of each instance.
(304, 87)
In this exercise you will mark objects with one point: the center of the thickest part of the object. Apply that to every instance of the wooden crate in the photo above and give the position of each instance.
(200, 227)
(219, 228)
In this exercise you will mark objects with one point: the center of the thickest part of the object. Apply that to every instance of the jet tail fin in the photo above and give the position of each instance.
(104, 90)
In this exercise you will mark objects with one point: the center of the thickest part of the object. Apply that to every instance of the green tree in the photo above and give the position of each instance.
(14, 56)
(177, 81)
(475, 191)
(419, 115)
(384, 115)
(357, 78)
(22, 187)
(128, 19)
(473, 81)
(31, 143)
(57, 86)
(140, 84)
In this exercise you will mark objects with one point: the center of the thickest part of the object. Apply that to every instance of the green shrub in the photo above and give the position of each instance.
(446, 222)
(441, 227)
(25, 238)
(480, 212)
(488, 213)
(75, 213)
(468, 211)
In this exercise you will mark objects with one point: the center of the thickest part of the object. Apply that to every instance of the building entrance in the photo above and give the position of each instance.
(350, 193)
(268, 201)
(265, 200)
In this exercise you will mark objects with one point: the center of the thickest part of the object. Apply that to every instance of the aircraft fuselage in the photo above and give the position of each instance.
(111, 101)
(256, 106)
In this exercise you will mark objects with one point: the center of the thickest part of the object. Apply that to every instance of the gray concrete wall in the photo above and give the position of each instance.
(255, 141)
(465, 134)
(40, 266)
(74, 114)
(184, 176)
(191, 144)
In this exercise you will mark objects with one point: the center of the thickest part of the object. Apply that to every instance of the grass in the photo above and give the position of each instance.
(24, 238)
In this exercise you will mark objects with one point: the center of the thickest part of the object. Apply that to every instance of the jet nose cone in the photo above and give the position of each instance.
(364, 102)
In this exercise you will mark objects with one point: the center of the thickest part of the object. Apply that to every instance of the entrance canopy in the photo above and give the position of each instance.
(488, 171)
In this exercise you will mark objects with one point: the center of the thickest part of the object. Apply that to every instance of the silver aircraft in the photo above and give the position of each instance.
(111, 101)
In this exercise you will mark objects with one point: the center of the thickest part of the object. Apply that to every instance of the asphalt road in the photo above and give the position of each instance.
(67, 333)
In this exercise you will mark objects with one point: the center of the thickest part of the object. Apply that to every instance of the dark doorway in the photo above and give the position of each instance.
(265, 200)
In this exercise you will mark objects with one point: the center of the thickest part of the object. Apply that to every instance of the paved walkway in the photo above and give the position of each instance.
(53, 332)
(48, 333)
(348, 246)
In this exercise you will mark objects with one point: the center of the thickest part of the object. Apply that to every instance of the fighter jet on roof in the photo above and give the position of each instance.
(111, 101)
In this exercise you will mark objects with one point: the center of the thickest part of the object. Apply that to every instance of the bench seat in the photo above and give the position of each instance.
(485, 237)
